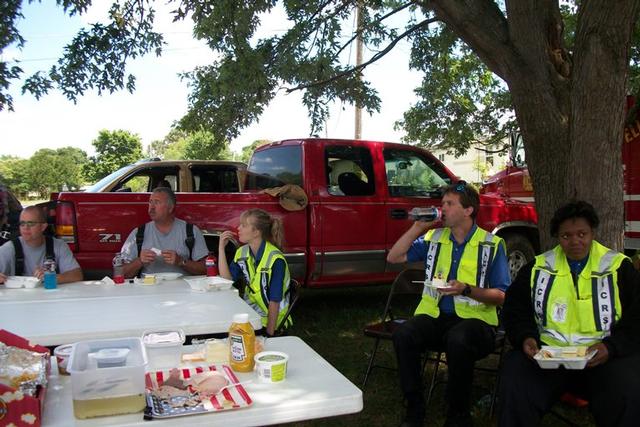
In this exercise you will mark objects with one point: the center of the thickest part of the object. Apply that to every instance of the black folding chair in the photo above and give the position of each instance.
(404, 296)
(294, 289)
(500, 346)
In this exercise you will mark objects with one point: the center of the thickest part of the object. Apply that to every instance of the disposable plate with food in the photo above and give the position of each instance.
(190, 391)
(16, 282)
(570, 357)
(435, 283)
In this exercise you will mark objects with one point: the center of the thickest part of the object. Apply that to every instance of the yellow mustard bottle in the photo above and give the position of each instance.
(242, 340)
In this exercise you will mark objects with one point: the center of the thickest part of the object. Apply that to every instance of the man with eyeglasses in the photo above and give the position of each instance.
(466, 275)
(166, 243)
(25, 255)
(579, 294)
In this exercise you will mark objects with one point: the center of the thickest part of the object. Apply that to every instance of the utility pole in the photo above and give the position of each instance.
(359, 46)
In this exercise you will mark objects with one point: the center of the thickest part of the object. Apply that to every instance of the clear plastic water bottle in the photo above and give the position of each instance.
(50, 277)
(425, 214)
(212, 265)
(118, 269)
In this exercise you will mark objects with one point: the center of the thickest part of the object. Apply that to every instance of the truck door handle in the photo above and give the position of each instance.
(399, 214)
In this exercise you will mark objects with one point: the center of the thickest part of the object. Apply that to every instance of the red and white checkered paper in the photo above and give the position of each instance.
(235, 394)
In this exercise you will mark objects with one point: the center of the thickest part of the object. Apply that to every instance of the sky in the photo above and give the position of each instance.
(160, 97)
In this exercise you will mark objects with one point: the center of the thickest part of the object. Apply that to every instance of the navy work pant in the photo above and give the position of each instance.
(528, 392)
(463, 340)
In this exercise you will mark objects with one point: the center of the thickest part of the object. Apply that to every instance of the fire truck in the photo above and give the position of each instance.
(514, 181)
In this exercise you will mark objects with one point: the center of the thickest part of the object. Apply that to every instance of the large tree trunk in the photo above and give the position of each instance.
(570, 107)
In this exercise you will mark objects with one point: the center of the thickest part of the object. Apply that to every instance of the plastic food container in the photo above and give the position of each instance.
(62, 354)
(16, 282)
(164, 348)
(208, 283)
(271, 366)
(110, 357)
(553, 357)
(107, 377)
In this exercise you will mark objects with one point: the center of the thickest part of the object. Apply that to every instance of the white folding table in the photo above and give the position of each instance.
(313, 389)
(121, 312)
(92, 289)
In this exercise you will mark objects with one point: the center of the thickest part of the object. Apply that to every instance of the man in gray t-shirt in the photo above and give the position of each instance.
(32, 240)
(164, 248)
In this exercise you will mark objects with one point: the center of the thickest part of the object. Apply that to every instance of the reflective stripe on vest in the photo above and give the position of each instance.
(474, 269)
(258, 284)
(566, 316)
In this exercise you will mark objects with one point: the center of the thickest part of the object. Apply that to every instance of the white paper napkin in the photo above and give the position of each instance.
(108, 280)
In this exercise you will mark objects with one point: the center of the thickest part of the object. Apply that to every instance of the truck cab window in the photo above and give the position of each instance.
(148, 178)
(349, 171)
(214, 179)
(409, 174)
(275, 167)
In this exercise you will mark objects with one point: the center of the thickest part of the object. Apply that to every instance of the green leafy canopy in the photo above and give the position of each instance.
(460, 102)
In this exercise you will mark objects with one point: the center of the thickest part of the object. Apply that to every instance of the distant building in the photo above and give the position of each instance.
(474, 166)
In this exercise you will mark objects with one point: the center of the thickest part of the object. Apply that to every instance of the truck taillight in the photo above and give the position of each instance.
(66, 223)
(66, 232)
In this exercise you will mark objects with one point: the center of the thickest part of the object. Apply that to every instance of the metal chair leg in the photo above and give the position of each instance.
(370, 365)
(434, 376)
(494, 393)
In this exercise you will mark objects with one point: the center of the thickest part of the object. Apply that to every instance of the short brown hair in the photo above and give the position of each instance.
(469, 196)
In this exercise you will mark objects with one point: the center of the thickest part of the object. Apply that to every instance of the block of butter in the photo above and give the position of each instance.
(149, 279)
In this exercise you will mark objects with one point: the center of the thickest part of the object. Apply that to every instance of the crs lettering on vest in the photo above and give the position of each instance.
(485, 256)
(245, 270)
(603, 303)
(431, 260)
(541, 293)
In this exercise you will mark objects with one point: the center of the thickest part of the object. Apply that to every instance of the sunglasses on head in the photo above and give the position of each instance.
(461, 186)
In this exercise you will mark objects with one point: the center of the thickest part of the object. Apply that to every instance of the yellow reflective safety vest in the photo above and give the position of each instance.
(580, 312)
(259, 279)
(474, 268)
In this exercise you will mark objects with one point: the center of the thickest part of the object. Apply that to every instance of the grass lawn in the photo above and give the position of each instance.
(331, 322)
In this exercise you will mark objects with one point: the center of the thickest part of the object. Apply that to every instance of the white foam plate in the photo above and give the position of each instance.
(559, 359)
(208, 283)
(434, 284)
(167, 276)
(16, 282)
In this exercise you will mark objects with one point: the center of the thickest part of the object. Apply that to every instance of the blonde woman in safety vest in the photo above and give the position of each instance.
(260, 262)
(583, 294)
(459, 318)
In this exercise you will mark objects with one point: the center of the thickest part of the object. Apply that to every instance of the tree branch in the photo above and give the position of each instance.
(482, 26)
(377, 21)
(362, 66)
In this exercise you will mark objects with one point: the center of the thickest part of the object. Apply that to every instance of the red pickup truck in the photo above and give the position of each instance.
(360, 193)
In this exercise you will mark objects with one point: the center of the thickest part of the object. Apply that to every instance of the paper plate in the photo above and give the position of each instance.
(16, 282)
(234, 397)
(167, 276)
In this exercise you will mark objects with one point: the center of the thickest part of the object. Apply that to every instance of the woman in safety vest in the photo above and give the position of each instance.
(261, 264)
(583, 299)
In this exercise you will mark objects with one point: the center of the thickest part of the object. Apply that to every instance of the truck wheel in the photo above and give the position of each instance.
(519, 252)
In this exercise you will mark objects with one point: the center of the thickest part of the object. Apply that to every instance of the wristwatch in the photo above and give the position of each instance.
(466, 291)
(183, 262)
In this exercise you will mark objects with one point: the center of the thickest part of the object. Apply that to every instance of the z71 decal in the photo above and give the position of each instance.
(110, 238)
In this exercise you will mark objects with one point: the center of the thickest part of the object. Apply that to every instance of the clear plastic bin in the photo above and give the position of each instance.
(111, 388)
